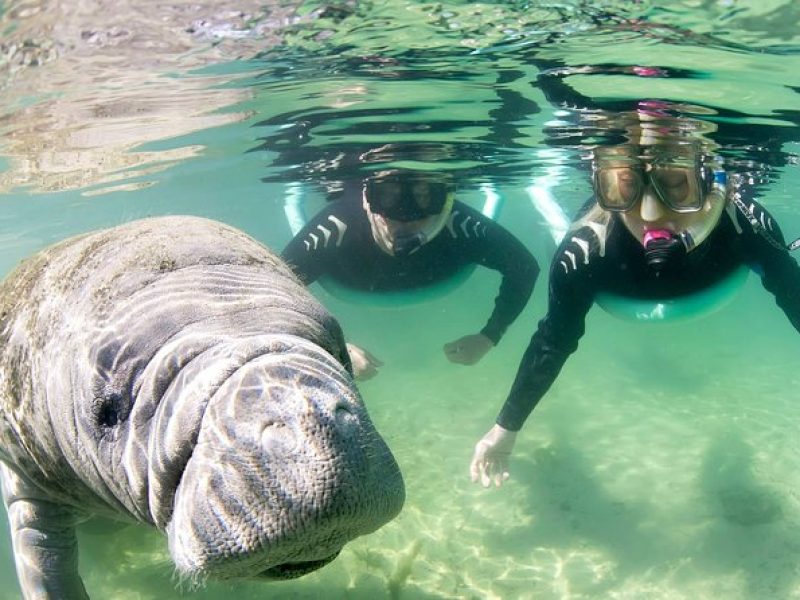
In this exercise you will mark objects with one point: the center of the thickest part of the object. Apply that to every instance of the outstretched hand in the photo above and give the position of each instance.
(469, 349)
(490, 460)
(365, 364)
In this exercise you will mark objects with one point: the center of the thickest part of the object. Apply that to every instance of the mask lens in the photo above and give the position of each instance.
(678, 186)
(384, 196)
(429, 197)
(618, 188)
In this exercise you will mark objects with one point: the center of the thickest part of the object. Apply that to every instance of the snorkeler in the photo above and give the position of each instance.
(407, 231)
(665, 221)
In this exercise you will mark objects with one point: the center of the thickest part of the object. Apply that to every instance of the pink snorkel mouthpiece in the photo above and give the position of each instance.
(656, 234)
(663, 249)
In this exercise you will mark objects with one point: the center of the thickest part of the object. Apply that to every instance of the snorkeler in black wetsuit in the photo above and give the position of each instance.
(664, 224)
(406, 231)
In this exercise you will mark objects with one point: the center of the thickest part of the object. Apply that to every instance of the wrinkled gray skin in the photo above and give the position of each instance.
(173, 372)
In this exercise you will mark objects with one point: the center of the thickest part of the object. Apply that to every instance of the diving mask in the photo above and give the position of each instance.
(402, 237)
(404, 197)
(679, 182)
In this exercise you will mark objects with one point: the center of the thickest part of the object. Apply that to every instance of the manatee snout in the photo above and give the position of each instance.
(287, 468)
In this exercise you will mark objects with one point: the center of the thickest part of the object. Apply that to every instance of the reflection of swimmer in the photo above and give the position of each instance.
(664, 223)
(406, 231)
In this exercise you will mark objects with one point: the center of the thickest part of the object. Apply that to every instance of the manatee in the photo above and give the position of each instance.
(173, 372)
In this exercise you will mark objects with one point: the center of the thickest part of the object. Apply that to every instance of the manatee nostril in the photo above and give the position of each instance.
(344, 414)
(343, 410)
(273, 425)
(108, 410)
(277, 436)
(108, 416)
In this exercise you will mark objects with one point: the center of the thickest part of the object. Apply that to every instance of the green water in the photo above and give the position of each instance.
(663, 463)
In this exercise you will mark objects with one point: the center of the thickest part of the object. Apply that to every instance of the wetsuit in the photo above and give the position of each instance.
(338, 243)
(578, 272)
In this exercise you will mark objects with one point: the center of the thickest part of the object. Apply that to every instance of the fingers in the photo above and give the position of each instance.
(491, 472)
(479, 467)
(474, 470)
(479, 471)
(500, 477)
(365, 364)
(364, 371)
(477, 464)
(371, 358)
(365, 374)
(486, 480)
(456, 352)
(467, 350)
(488, 470)
(452, 349)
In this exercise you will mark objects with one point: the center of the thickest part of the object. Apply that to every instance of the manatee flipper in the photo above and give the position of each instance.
(44, 541)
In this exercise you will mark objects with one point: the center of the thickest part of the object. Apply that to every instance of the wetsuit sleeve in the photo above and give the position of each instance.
(571, 296)
(505, 253)
(312, 251)
(780, 273)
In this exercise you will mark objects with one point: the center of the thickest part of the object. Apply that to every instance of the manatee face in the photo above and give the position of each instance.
(286, 469)
(173, 372)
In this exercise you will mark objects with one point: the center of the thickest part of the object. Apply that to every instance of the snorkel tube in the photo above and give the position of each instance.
(405, 245)
(664, 250)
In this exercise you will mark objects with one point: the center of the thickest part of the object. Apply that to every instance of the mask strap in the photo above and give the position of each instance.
(695, 234)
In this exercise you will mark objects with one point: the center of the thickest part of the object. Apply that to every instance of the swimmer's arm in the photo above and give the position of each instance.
(556, 338)
(558, 334)
(780, 273)
(781, 277)
(503, 252)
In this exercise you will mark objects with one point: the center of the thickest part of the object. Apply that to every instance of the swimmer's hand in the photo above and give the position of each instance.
(365, 364)
(469, 349)
(490, 460)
